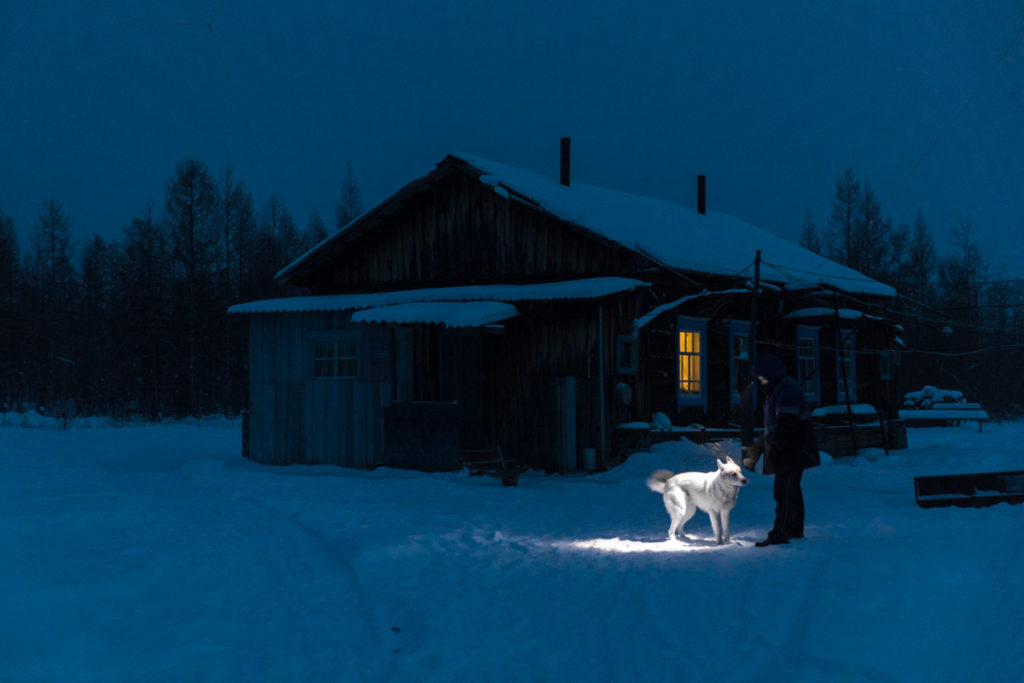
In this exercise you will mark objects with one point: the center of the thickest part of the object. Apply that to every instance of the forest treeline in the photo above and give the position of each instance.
(962, 318)
(137, 326)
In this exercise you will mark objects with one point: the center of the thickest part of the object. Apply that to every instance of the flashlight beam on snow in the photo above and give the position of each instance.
(623, 545)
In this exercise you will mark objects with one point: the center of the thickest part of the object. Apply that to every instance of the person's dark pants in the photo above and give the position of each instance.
(789, 506)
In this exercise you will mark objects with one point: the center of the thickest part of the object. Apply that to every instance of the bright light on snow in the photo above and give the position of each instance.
(620, 545)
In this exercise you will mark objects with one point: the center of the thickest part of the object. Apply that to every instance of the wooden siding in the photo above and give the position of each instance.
(298, 419)
(507, 383)
(459, 230)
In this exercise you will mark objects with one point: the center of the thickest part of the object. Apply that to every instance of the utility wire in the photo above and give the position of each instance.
(142, 20)
(216, 12)
(223, 65)
(955, 118)
(906, 315)
(783, 270)
(241, 109)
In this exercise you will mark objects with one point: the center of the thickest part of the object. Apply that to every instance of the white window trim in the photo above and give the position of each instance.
(335, 335)
(808, 332)
(852, 376)
(684, 324)
(737, 328)
(621, 341)
(885, 365)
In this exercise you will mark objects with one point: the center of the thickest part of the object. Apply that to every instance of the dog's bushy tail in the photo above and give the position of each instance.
(656, 482)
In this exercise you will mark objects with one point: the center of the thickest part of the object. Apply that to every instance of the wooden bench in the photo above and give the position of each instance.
(945, 414)
(491, 461)
(969, 490)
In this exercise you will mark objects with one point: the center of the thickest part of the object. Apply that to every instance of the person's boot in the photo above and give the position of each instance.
(772, 540)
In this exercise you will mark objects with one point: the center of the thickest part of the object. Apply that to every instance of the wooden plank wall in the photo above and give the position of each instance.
(458, 231)
(298, 420)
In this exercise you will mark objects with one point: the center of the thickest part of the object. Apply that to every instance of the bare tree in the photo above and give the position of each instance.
(872, 241)
(279, 227)
(49, 306)
(12, 384)
(809, 237)
(189, 214)
(962, 275)
(840, 238)
(237, 233)
(95, 351)
(316, 230)
(919, 275)
(349, 205)
(142, 300)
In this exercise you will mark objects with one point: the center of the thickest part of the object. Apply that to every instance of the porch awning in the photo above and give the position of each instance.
(447, 313)
(824, 315)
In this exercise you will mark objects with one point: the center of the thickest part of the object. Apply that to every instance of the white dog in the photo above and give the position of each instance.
(713, 492)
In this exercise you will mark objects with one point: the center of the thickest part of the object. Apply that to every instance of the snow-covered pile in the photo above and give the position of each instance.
(158, 553)
(929, 396)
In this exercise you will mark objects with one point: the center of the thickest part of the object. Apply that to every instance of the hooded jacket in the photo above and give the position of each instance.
(788, 440)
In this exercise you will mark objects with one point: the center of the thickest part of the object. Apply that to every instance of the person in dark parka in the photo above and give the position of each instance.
(788, 444)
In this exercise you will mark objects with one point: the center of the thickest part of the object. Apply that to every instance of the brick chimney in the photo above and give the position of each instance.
(565, 162)
(702, 191)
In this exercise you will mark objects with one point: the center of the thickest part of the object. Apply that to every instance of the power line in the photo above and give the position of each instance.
(783, 270)
(216, 12)
(142, 20)
(241, 109)
(909, 315)
(223, 65)
(957, 116)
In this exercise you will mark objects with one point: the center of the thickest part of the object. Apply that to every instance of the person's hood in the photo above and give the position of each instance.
(769, 366)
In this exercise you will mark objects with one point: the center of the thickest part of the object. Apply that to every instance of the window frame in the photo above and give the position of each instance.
(335, 337)
(625, 346)
(699, 326)
(738, 329)
(851, 375)
(804, 332)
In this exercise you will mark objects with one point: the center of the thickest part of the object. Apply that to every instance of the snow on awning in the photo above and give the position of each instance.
(830, 313)
(653, 314)
(447, 313)
(588, 288)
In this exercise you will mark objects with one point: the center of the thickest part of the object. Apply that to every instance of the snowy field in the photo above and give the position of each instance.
(157, 553)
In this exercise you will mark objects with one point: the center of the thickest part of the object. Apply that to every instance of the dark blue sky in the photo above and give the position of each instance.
(770, 100)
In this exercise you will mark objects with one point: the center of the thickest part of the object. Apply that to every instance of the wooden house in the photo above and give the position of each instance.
(485, 306)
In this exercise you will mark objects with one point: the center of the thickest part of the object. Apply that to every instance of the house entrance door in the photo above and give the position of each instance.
(461, 380)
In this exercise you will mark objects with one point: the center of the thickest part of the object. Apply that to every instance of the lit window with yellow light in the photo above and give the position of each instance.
(689, 362)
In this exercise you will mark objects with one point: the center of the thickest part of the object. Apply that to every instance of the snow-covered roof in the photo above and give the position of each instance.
(587, 288)
(447, 313)
(673, 235)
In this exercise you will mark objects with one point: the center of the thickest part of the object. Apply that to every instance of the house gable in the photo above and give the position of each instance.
(450, 228)
(471, 219)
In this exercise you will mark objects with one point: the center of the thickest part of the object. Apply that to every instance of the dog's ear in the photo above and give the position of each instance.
(729, 460)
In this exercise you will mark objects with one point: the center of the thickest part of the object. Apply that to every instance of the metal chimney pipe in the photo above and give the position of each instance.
(702, 191)
(565, 162)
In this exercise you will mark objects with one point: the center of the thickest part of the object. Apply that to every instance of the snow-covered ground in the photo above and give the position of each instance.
(157, 553)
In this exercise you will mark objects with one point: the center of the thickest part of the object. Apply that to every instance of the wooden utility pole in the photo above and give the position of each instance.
(747, 430)
(840, 354)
